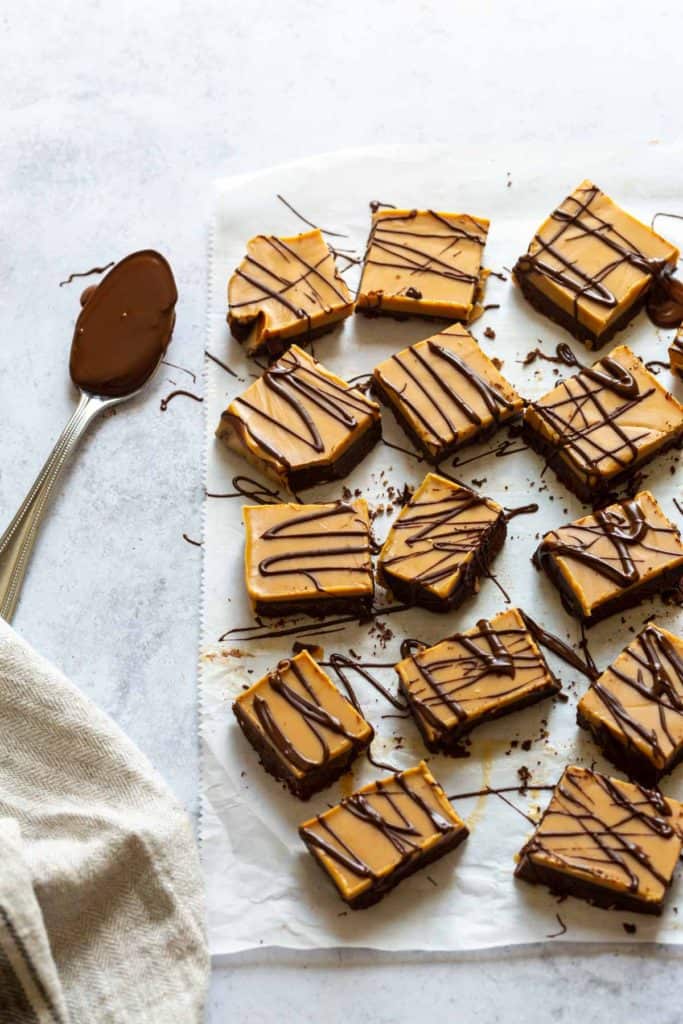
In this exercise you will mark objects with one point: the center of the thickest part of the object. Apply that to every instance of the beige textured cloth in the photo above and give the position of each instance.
(101, 901)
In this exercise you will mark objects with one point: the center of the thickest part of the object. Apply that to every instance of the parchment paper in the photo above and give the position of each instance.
(263, 888)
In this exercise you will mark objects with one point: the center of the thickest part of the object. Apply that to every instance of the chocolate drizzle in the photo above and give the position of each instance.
(341, 544)
(558, 647)
(309, 707)
(86, 273)
(303, 273)
(254, 490)
(624, 525)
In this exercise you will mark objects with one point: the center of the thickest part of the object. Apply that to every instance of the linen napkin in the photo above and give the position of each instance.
(101, 898)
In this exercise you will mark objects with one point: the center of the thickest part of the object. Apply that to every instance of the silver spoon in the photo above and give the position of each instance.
(136, 324)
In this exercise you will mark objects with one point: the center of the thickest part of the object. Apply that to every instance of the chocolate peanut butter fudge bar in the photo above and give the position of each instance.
(473, 677)
(590, 265)
(612, 559)
(423, 263)
(304, 730)
(445, 392)
(597, 427)
(386, 831)
(676, 354)
(606, 841)
(284, 289)
(312, 559)
(440, 544)
(635, 709)
(301, 424)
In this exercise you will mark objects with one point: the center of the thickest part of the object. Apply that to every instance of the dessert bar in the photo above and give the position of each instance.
(596, 428)
(312, 559)
(378, 836)
(301, 424)
(445, 392)
(285, 289)
(606, 841)
(474, 677)
(612, 559)
(303, 729)
(634, 710)
(440, 545)
(423, 263)
(590, 265)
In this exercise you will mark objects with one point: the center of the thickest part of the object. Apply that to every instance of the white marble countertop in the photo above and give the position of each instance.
(115, 119)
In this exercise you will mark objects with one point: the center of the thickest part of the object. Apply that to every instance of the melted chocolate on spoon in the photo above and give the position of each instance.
(125, 326)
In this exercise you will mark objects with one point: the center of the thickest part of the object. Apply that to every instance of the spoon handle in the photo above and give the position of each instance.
(17, 542)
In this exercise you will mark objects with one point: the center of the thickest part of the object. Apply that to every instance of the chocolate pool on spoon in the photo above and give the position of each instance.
(119, 340)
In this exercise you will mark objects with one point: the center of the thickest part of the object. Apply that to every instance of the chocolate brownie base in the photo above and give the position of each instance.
(411, 592)
(620, 603)
(626, 756)
(312, 782)
(542, 304)
(272, 348)
(385, 398)
(317, 606)
(592, 492)
(561, 884)
(382, 886)
(311, 476)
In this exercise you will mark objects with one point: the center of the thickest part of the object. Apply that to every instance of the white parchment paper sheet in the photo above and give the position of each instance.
(263, 888)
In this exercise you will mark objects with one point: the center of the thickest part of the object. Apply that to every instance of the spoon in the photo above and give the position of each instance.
(119, 340)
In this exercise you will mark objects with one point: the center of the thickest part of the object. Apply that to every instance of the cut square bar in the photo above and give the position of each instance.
(590, 265)
(386, 831)
(612, 559)
(635, 709)
(423, 263)
(597, 428)
(445, 392)
(440, 545)
(605, 841)
(303, 729)
(285, 289)
(474, 677)
(301, 424)
(312, 559)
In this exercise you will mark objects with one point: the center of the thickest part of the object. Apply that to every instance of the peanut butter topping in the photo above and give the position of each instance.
(639, 698)
(424, 263)
(608, 417)
(437, 534)
(592, 260)
(302, 716)
(372, 834)
(608, 833)
(294, 552)
(285, 288)
(296, 416)
(464, 679)
(676, 354)
(612, 551)
(447, 391)
(125, 326)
